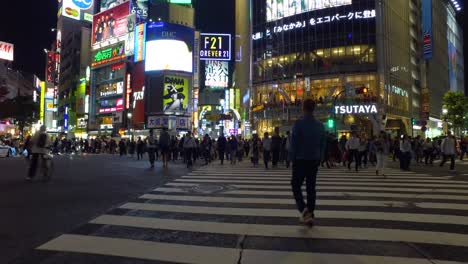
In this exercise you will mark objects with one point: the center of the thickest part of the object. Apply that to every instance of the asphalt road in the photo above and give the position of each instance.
(82, 188)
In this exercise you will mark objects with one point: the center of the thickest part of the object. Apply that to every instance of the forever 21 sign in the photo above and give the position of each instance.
(215, 46)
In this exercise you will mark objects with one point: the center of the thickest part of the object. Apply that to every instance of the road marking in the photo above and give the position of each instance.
(180, 253)
(403, 217)
(319, 187)
(329, 232)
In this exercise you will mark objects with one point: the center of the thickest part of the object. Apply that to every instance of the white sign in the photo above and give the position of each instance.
(356, 109)
(278, 9)
(217, 74)
(301, 24)
(6, 51)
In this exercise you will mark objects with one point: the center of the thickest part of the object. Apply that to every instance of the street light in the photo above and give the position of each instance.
(444, 111)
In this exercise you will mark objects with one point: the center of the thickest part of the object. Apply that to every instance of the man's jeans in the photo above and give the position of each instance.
(152, 155)
(305, 169)
(452, 161)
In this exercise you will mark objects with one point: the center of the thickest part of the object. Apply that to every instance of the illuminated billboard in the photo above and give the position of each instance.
(215, 46)
(6, 51)
(169, 47)
(111, 23)
(278, 9)
(184, 2)
(108, 55)
(111, 105)
(217, 74)
(78, 9)
(140, 42)
(137, 7)
(175, 94)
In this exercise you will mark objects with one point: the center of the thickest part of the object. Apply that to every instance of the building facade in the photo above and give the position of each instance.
(350, 53)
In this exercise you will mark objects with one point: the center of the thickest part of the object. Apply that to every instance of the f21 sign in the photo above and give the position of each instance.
(215, 46)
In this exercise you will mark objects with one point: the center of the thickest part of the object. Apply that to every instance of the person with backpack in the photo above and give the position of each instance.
(164, 146)
(39, 144)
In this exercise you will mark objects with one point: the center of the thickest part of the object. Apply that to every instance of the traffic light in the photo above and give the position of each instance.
(413, 121)
(362, 90)
(331, 123)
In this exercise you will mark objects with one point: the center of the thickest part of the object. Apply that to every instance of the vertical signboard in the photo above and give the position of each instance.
(140, 42)
(42, 103)
(6, 51)
(215, 46)
(427, 28)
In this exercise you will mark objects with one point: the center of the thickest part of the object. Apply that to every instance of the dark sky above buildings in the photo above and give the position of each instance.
(27, 24)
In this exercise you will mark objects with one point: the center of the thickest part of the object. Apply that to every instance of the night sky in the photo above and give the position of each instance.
(28, 28)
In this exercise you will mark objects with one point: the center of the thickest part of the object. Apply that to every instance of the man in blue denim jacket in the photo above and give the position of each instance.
(306, 151)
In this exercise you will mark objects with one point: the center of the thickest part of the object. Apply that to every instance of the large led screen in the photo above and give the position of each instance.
(175, 94)
(169, 47)
(138, 7)
(111, 23)
(278, 9)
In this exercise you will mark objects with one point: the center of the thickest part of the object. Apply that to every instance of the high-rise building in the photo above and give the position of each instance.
(370, 65)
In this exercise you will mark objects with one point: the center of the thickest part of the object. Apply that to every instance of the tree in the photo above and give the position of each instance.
(456, 104)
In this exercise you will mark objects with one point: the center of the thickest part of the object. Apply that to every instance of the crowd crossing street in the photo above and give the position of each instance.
(240, 214)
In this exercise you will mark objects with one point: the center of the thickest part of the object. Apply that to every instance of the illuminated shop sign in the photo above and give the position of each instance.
(6, 51)
(140, 42)
(108, 55)
(356, 109)
(278, 9)
(110, 89)
(116, 105)
(427, 28)
(215, 46)
(128, 87)
(315, 21)
(217, 74)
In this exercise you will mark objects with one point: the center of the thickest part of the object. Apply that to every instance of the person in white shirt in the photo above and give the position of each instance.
(448, 149)
(266, 143)
(405, 153)
(352, 146)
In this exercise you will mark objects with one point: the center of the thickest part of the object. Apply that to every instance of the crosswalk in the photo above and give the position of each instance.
(240, 214)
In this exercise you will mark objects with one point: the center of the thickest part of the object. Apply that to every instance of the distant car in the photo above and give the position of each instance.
(7, 151)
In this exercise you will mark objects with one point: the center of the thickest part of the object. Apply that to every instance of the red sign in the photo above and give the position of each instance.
(128, 91)
(111, 23)
(6, 51)
(50, 70)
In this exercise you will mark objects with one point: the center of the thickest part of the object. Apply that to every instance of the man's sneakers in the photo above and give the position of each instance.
(307, 218)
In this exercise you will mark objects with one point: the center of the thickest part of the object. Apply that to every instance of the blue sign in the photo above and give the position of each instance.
(427, 28)
(83, 4)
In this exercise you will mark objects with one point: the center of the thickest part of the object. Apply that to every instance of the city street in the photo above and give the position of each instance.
(99, 209)
(82, 188)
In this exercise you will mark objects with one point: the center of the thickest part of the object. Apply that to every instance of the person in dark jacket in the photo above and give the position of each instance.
(221, 148)
(306, 151)
(276, 147)
(140, 148)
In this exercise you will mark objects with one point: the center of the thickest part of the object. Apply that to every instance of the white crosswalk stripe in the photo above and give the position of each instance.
(223, 214)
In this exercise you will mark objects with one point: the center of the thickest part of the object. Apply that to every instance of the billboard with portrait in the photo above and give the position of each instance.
(175, 94)
(278, 9)
(216, 74)
(137, 7)
(169, 47)
(111, 23)
(78, 9)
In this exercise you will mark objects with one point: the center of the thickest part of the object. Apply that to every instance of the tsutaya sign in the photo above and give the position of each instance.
(356, 109)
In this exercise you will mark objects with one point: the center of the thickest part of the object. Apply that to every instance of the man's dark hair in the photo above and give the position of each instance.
(308, 106)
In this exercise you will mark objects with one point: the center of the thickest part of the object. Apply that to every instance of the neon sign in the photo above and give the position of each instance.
(355, 109)
(108, 55)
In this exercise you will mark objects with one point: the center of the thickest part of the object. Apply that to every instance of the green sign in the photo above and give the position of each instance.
(108, 55)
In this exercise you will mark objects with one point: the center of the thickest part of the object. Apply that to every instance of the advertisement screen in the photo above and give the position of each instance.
(140, 42)
(215, 46)
(138, 7)
(169, 47)
(6, 51)
(175, 94)
(110, 89)
(78, 9)
(108, 55)
(112, 105)
(278, 9)
(111, 23)
(217, 74)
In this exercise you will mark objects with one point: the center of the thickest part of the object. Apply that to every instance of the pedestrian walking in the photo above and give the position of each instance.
(449, 149)
(122, 147)
(233, 145)
(275, 147)
(381, 150)
(255, 149)
(189, 147)
(306, 151)
(463, 146)
(221, 148)
(352, 146)
(132, 147)
(287, 147)
(39, 144)
(151, 145)
(140, 148)
(164, 146)
(266, 145)
(405, 153)
(428, 151)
